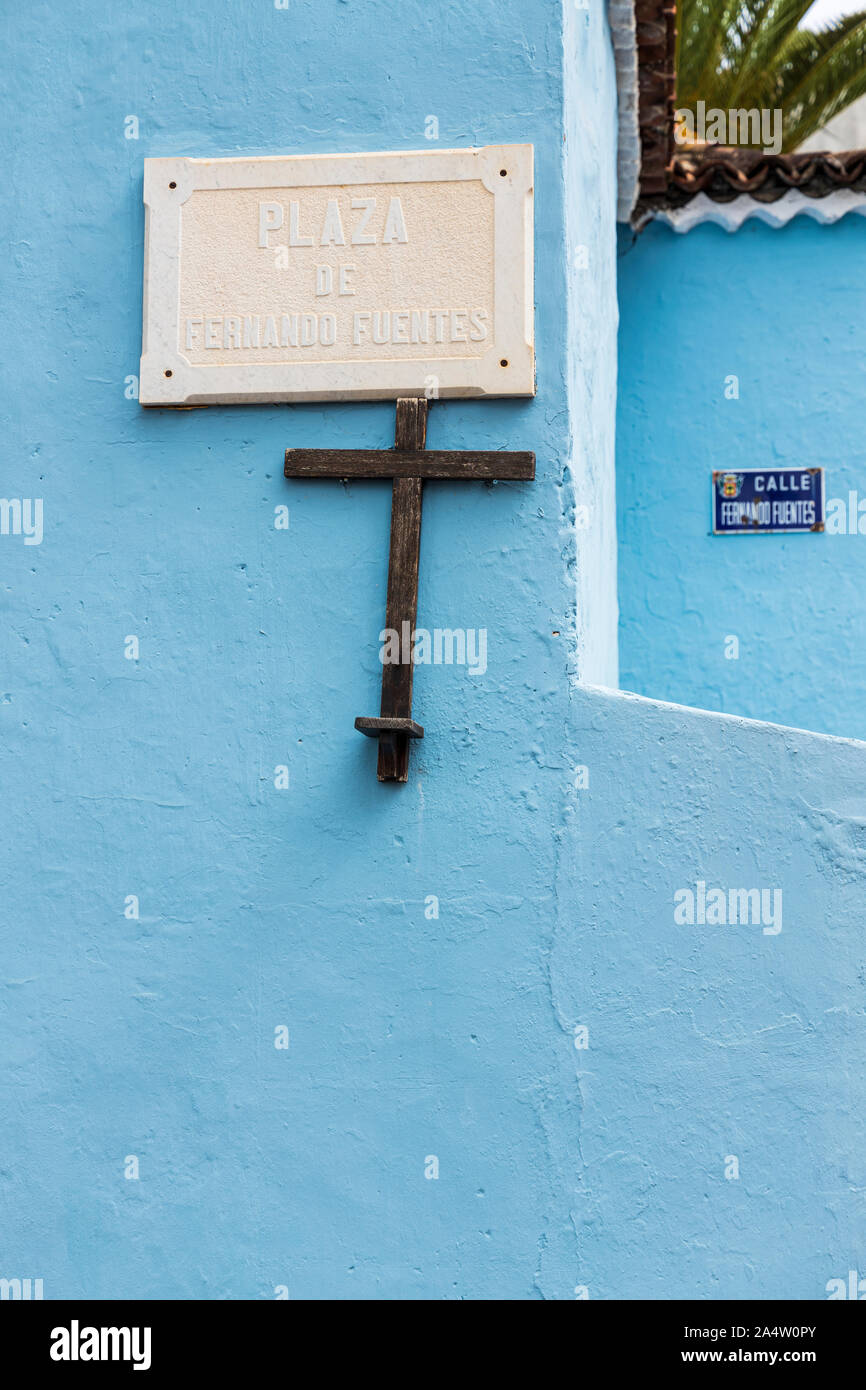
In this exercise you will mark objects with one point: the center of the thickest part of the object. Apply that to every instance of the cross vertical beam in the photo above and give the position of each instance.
(410, 434)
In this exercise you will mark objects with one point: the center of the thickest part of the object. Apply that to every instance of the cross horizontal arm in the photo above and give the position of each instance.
(398, 463)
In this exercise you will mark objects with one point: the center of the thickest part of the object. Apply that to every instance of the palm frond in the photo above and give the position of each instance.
(760, 51)
(835, 77)
(701, 34)
(801, 52)
(753, 54)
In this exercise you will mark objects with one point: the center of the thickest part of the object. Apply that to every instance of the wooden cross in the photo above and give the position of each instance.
(408, 464)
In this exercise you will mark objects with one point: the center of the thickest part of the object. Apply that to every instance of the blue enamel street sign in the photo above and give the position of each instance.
(756, 501)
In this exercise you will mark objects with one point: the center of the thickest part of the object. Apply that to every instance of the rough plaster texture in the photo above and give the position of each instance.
(785, 312)
(410, 1036)
(711, 1042)
(590, 177)
(624, 39)
(258, 647)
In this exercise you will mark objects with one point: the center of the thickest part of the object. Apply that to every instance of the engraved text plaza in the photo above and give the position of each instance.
(360, 223)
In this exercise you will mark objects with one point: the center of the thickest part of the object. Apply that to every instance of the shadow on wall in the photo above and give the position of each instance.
(713, 978)
(738, 351)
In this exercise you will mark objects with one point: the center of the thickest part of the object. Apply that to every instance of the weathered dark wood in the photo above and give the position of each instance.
(374, 727)
(402, 606)
(409, 463)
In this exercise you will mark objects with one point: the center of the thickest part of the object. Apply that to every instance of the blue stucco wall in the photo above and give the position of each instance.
(785, 312)
(712, 1042)
(155, 777)
(553, 823)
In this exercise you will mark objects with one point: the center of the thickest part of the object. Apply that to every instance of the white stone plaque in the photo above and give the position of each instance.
(338, 277)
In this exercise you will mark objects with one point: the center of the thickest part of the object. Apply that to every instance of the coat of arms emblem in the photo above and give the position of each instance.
(730, 484)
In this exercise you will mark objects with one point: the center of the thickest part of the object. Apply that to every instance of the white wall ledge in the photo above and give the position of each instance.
(731, 216)
(620, 14)
(710, 715)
